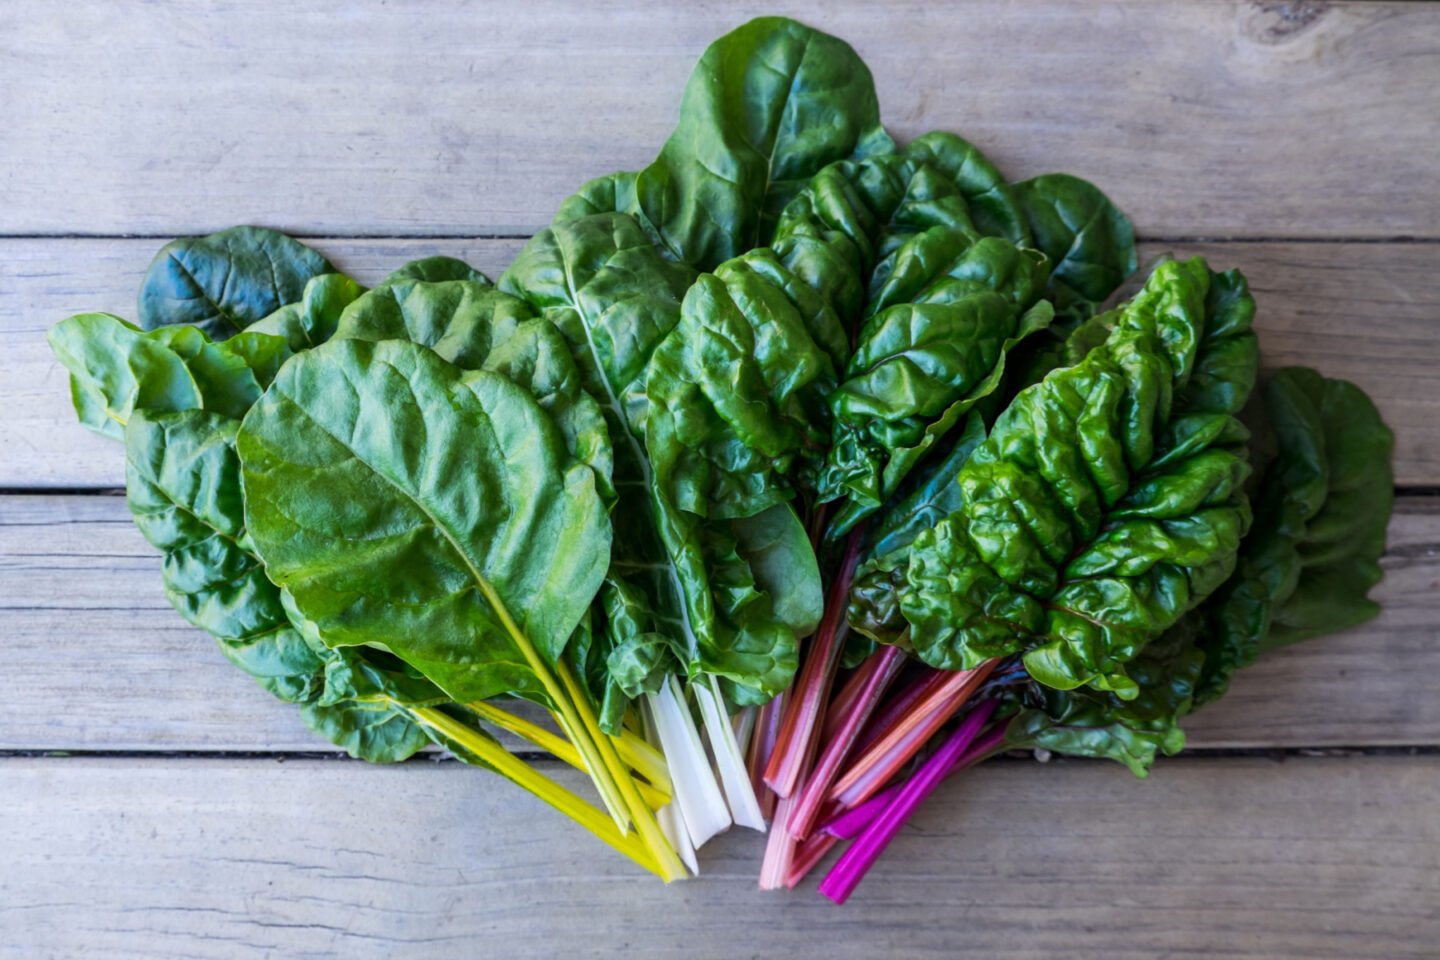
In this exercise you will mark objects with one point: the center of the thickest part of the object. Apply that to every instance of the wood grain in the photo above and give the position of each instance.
(97, 660)
(1223, 858)
(1200, 118)
(1363, 311)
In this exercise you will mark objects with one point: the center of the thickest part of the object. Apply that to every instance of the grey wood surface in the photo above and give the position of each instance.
(97, 659)
(1228, 858)
(1311, 299)
(1200, 118)
(1297, 141)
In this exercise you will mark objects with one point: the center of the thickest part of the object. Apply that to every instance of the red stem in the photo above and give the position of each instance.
(762, 747)
(920, 688)
(849, 824)
(891, 752)
(878, 672)
(795, 747)
(808, 856)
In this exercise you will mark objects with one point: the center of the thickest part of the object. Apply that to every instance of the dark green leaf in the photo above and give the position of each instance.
(1090, 243)
(224, 282)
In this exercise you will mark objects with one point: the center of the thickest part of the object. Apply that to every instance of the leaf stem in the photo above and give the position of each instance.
(502, 761)
(804, 714)
(669, 864)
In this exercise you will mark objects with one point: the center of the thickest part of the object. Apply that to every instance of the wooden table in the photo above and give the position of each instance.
(155, 804)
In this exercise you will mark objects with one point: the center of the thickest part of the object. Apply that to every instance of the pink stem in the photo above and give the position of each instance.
(881, 671)
(779, 850)
(807, 856)
(918, 689)
(855, 862)
(795, 747)
(884, 759)
(850, 823)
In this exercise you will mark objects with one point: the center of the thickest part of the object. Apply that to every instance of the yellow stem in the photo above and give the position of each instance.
(644, 760)
(523, 775)
(570, 721)
(555, 745)
(665, 856)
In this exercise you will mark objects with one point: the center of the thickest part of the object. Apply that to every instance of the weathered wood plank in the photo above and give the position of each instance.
(1223, 858)
(1200, 118)
(96, 659)
(1356, 310)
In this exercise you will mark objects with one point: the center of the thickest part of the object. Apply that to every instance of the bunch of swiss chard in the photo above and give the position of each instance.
(1051, 505)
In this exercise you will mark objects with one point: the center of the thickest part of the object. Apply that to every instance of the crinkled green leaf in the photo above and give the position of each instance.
(224, 282)
(615, 299)
(116, 369)
(1134, 732)
(768, 105)
(936, 348)
(1081, 535)
(349, 464)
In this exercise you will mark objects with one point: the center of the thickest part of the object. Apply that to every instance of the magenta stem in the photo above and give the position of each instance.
(816, 790)
(849, 824)
(852, 866)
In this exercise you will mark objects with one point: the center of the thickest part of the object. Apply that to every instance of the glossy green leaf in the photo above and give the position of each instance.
(476, 327)
(768, 105)
(615, 299)
(1134, 732)
(224, 282)
(949, 318)
(1081, 536)
(349, 465)
(1090, 243)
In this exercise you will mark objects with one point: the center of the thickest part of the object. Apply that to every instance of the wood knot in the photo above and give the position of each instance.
(1276, 23)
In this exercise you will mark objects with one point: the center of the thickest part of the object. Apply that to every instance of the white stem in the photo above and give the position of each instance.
(744, 724)
(728, 758)
(701, 803)
(669, 815)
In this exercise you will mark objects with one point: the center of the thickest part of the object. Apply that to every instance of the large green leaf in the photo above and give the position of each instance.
(116, 369)
(950, 311)
(350, 462)
(224, 282)
(1320, 523)
(475, 326)
(1085, 528)
(768, 105)
(615, 299)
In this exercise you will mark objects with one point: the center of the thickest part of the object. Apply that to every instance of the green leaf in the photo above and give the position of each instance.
(936, 348)
(1307, 565)
(224, 282)
(1080, 536)
(1090, 243)
(349, 463)
(615, 299)
(1134, 732)
(115, 369)
(768, 105)
(777, 547)
(434, 269)
(312, 320)
(476, 327)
